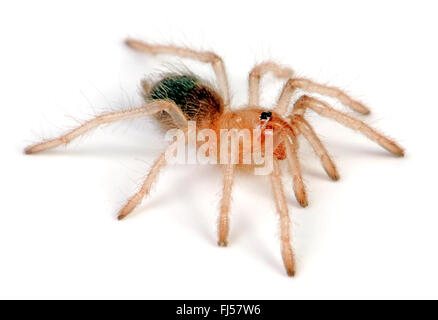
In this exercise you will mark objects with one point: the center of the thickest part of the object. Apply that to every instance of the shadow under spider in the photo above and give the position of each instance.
(353, 148)
(106, 150)
(189, 214)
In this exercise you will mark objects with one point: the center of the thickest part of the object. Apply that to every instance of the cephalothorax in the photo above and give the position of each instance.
(179, 98)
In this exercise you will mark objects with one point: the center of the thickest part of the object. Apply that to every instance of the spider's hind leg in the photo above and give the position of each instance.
(146, 110)
(203, 56)
(146, 88)
(145, 189)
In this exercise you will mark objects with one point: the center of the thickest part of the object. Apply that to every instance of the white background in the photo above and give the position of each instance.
(373, 234)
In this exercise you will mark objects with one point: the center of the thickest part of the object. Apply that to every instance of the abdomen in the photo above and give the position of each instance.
(198, 101)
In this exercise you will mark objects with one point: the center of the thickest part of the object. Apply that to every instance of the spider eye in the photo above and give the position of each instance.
(265, 115)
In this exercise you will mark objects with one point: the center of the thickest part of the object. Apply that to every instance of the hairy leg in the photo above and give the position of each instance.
(223, 224)
(257, 73)
(290, 144)
(306, 129)
(203, 56)
(325, 110)
(280, 201)
(145, 189)
(310, 86)
(146, 110)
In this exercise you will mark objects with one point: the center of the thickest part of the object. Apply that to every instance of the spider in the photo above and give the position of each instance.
(179, 98)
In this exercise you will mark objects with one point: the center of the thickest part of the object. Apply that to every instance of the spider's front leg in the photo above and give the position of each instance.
(306, 129)
(258, 72)
(309, 86)
(281, 205)
(325, 110)
(290, 144)
(224, 219)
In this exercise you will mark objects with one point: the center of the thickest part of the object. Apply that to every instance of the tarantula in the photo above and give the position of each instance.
(180, 98)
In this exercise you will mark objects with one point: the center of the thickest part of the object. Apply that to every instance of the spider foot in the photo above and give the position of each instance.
(301, 195)
(290, 272)
(222, 243)
(288, 259)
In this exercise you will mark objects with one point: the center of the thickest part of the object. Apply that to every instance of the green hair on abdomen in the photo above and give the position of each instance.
(175, 88)
(197, 100)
